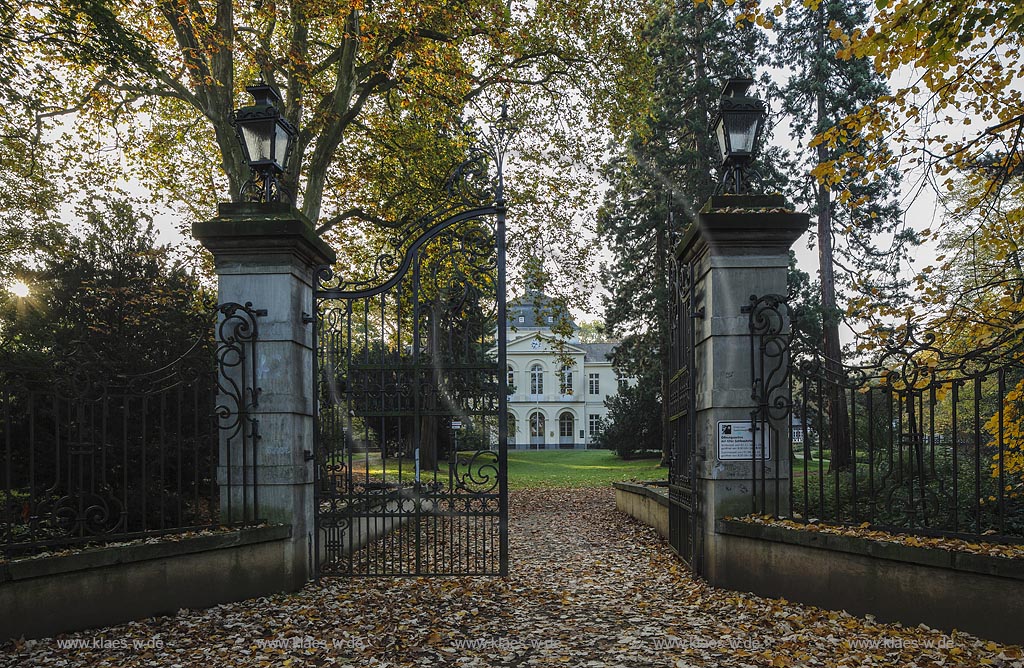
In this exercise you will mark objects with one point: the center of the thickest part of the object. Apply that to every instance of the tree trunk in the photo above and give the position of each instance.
(429, 424)
(338, 110)
(835, 397)
(664, 337)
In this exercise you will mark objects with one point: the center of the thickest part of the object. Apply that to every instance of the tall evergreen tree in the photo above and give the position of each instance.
(819, 91)
(667, 171)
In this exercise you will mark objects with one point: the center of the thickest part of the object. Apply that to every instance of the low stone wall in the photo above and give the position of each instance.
(365, 528)
(947, 590)
(647, 504)
(45, 596)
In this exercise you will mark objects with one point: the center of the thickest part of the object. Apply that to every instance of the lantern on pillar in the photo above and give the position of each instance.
(738, 127)
(267, 139)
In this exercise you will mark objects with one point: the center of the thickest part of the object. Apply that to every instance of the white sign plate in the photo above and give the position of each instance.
(736, 441)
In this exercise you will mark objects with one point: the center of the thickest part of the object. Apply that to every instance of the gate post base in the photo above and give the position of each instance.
(267, 254)
(739, 248)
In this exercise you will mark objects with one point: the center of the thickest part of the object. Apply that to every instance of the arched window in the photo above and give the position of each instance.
(536, 379)
(566, 425)
(565, 380)
(537, 425)
(511, 380)
(512, 428)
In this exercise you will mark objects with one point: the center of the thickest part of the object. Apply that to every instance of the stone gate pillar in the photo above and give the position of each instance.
(267, 254)
(739, 248)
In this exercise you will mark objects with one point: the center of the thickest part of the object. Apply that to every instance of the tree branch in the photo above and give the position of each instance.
(359, 214)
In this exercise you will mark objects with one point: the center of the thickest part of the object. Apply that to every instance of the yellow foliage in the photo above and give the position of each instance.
(1013, 440)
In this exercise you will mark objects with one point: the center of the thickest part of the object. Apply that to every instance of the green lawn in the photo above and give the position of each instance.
(541, 468)
(576, 468)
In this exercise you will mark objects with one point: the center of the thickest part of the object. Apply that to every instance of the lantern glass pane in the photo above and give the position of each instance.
(723, 140)
(743, 132)
(257, 138)
(281, 146)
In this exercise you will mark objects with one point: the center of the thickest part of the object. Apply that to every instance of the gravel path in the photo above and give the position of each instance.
(589, 587)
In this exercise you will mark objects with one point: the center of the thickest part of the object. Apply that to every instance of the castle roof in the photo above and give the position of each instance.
(537, 310)
(597, 352)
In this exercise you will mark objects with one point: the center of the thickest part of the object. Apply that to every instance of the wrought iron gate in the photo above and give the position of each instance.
(683, 496)
(411, 428)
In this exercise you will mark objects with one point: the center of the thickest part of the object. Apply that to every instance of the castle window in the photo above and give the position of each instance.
(536, 379)
(565, 384)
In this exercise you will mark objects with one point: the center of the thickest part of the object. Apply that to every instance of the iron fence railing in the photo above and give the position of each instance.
(93, 455)
(920, 440)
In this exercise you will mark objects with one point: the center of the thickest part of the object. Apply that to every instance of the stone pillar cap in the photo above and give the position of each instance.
(242, 228)
(743, 225)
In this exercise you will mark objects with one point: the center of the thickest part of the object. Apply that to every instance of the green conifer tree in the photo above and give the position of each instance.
(860, 237)
(658, 183)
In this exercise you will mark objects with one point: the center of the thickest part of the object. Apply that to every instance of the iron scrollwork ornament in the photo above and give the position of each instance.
(770, 355)
(477, 473)
(237, 333)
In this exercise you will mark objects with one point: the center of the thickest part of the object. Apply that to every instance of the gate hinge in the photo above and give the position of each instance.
(307, 455)
(699, 313)
(307, 318)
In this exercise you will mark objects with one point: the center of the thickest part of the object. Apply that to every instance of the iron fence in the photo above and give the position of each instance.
(917, 440)
(94, 455)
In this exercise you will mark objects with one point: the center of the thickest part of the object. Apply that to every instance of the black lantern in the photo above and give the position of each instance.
(267, 139)
(738, 126)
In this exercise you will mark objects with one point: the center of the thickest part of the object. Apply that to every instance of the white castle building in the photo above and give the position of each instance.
(557, 385)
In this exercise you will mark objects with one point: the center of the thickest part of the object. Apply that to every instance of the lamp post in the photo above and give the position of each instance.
(738, 126)
(267, 139)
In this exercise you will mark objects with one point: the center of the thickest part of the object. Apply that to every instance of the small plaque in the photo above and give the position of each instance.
(736, 441)
(456, 424)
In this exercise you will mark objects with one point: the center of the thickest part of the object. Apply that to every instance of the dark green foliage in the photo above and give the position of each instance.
(869, 242)
(634, 426)
(659, 183)
(88, 31)
(106, 375)
(804, 309)
(110, 296)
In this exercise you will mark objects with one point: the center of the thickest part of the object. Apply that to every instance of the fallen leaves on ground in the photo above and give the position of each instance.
(1006, 550)
(590, 587)
(169, 537)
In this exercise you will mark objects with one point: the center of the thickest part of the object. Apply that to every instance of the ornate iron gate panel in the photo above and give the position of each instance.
(411, 425)
(683, 492)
